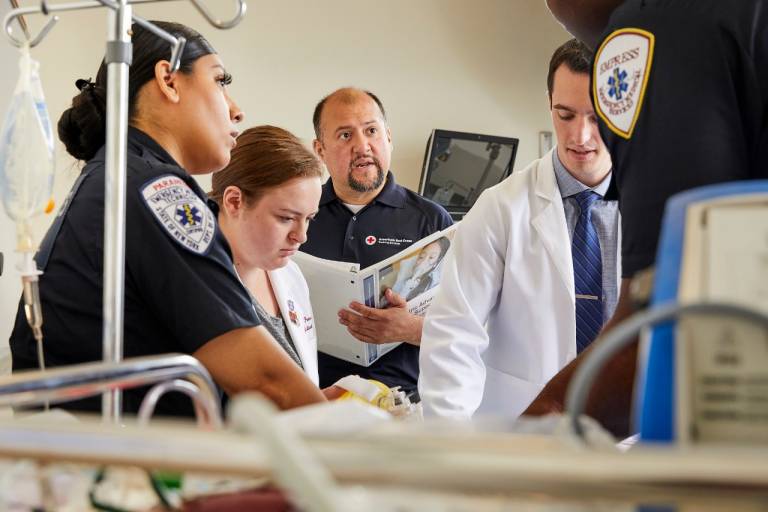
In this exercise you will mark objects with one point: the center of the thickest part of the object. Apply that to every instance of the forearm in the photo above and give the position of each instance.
(289, 387)
(250, 360)
(610, 399)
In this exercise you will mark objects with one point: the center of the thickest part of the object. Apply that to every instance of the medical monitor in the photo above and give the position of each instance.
(458, 166)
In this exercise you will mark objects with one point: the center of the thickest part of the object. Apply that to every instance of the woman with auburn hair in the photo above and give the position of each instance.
(267, 196)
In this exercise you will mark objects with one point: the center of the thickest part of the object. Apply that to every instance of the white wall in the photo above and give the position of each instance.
(475, 66)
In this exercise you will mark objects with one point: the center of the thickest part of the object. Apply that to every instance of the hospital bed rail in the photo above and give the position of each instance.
(169, 372)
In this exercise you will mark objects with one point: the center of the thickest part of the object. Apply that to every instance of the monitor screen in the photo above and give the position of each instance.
(458, 166)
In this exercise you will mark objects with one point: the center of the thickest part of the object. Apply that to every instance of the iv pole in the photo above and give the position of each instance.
(118, 59)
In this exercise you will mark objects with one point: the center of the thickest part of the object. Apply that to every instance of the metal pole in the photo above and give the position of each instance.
(118, 60)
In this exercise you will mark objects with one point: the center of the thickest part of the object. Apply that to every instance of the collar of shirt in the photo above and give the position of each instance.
(354, 208)
(390, 195)
(570, 186)
(143, 142)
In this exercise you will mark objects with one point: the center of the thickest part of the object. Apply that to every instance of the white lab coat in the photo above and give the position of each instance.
(292, 295)
(503, 322)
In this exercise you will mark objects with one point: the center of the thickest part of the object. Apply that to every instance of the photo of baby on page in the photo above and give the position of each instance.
(416, 273)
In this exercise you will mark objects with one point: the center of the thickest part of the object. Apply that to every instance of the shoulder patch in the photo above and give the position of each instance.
(182, 213)
(619, 78)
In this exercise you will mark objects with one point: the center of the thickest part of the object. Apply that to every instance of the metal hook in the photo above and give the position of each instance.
(177, 43)
(176, 51)
(9, 19)
(202, 9)
(21, 20)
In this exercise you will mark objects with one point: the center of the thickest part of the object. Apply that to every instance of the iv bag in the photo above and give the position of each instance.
(26, 147)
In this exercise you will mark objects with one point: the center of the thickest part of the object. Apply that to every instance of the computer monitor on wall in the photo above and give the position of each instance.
(458, 166)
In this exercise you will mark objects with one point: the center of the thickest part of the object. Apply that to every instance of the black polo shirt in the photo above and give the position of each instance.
(703, 117)
(393, 221)
(180, 286)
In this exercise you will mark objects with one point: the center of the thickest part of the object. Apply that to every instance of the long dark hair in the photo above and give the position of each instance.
(82, 127)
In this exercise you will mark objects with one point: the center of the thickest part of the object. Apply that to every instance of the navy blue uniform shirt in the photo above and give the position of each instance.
(703, 118)
(393, 221)
(180, 286)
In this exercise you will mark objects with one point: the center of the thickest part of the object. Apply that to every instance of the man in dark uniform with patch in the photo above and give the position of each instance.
(365, 217)
(681, 87)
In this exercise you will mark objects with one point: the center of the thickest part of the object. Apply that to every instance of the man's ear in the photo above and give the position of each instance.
(167, 81)
(319, 150)
(232, 200)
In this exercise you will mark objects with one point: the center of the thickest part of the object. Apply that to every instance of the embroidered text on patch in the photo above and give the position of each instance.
(620, 76)
(181, 212)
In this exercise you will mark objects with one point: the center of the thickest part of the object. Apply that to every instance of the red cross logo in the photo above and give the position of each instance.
(370, 240)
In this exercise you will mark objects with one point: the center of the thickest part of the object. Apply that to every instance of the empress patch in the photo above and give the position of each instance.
(185, 217)
(620, 76)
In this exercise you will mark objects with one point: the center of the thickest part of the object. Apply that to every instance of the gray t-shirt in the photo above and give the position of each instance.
(277, 328)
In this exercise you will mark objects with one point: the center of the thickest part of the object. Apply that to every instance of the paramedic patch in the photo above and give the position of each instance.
(620, 76)
(181, 212)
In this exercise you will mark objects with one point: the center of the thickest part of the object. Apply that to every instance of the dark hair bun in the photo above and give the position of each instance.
(82, 127)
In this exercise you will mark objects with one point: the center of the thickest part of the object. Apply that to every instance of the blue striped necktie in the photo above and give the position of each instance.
(587, 272)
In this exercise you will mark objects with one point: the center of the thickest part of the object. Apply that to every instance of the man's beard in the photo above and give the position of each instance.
(359, 186)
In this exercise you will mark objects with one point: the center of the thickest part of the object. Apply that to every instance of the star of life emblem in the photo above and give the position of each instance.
(620, 76)
(181, 212)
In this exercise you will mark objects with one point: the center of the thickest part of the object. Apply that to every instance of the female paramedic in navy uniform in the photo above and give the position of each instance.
(181, 291)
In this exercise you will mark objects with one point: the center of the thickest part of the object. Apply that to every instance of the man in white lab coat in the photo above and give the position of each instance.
(508, 316)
